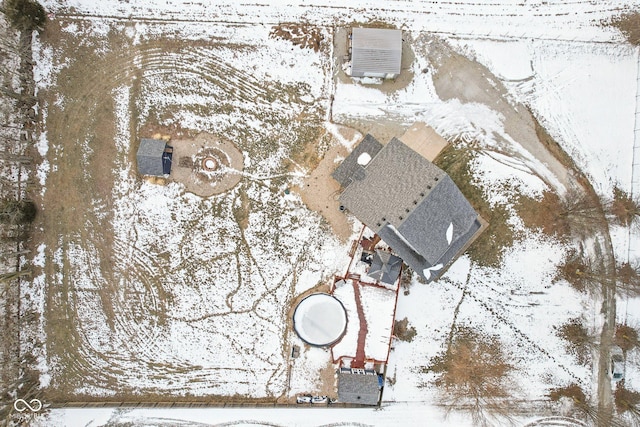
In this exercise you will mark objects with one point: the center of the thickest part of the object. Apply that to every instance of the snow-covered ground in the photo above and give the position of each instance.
(578, 78)
(195, 291)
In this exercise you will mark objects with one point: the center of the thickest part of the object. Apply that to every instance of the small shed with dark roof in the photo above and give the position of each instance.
(154, 157)
(361, 388)
(376, 52)
(385, 267)
(414, 206)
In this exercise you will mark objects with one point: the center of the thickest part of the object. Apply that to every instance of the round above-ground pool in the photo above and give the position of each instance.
(320, 320)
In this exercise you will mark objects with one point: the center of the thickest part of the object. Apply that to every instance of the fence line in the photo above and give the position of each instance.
(634, 191)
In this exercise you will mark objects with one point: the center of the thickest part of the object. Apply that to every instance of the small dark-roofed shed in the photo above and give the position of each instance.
(385, 267)
(154, 157)
(358, 388)
(376, 52)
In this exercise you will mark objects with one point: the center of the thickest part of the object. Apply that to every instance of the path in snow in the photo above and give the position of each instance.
(358, 362)
(456, 77)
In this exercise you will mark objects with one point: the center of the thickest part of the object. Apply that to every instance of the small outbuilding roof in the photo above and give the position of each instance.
(375, 51)
(359, 388)
(153, 157)
(385, 267)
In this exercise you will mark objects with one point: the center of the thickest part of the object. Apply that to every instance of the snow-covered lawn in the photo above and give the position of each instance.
(191, 296)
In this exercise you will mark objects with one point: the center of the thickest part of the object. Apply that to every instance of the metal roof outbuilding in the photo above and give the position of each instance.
(376, 52)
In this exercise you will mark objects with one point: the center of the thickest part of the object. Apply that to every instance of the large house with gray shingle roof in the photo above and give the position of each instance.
(413, 205)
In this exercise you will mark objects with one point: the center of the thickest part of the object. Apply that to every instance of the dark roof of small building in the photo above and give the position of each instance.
(349, 169)
(363, 389)
(414, 206)
(385, 267)
(151, 147)
(376, 50)
(150, 157)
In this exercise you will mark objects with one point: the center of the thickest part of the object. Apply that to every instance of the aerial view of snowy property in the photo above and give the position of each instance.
(320, 213)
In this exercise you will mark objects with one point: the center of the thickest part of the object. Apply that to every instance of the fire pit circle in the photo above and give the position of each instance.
(210, 164)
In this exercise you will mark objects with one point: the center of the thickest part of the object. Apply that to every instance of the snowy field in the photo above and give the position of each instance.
(202, 296)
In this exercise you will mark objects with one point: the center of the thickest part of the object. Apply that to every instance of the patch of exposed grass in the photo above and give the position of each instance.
(305, 36)
(310, 146)
(629, 26)
(543, 214)
(241, 212)
(489, 247)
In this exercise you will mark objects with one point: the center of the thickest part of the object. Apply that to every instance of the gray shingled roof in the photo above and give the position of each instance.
(362, 389)
(349, 169)
(426, 227)
(375, 51)
(412, 205)
(149, 157)
(385, 267)
(397, 180)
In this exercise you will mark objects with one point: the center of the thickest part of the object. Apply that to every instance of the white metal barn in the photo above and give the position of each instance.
(376, 52)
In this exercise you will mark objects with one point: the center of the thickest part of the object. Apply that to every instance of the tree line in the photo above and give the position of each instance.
(18, 127)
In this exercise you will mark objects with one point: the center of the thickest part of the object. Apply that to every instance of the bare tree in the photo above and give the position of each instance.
(18, 374)
(623, 208)
(471, 374)
(629, 26)
(579, 273)
(25, 15)
(627, 401)
(626, 337)
(580, 210)
(574, 393)
(628, 279)
(579, 340)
